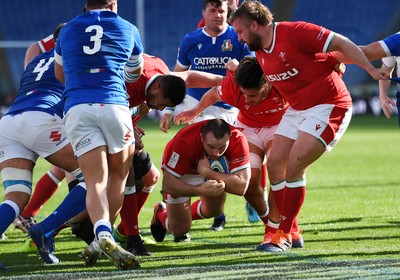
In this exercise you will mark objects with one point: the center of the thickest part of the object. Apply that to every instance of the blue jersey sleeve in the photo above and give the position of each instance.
(393, 44)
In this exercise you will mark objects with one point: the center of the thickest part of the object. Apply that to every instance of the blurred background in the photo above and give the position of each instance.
(164, 23)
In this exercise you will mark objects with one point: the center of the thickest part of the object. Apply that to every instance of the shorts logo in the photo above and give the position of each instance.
(127, 136)
(83, 143)
(173, 160)
(2, 154)
(317, 126)
(55, 135)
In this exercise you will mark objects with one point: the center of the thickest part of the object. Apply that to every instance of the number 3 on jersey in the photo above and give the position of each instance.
(96, 39)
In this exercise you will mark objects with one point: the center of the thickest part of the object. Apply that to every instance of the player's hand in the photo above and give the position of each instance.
(213, 187)
(378, 74)
(138, 132)
(185, 117)
(387, 105)
(165, 122)
(232, 65)
(340, 68)
(203, 167)
(143, 109)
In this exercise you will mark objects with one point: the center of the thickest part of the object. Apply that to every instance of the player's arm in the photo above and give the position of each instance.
(386, 101)
(176, 187)
(134, 68)
(353, 53)
(59, 69)
(208, 99)
(235, 183)
(373, 51)
(179, 68)
(198, 79)
(32, 51)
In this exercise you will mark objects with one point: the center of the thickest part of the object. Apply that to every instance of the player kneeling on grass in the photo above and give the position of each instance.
(187, 172)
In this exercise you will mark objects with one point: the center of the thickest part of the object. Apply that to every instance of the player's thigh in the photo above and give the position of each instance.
(64, 158)
(306, 150)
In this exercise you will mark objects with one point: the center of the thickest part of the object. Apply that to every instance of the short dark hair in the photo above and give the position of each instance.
(214, 3)
(253, 10)
(218, 127)
(249, 74)
(173, 88)
(57, 31)
(97, 3)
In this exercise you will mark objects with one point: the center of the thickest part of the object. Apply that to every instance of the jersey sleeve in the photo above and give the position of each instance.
(311, 38)
(238, 152)
(227, 89)
(46, 44)
(174, 159)
(183, 59)
(391, 45)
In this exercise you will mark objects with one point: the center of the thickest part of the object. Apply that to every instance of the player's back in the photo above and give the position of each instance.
(39, 89)
(95, 47)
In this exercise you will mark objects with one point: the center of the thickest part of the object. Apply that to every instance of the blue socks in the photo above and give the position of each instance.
(73, 204)
(9, 210)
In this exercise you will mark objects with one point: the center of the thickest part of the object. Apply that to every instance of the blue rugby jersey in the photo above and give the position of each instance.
(93, 49)
(393, 44)
(39, 89)
(199, 51)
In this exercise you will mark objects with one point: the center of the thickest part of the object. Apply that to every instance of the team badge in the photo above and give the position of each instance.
(227, 46)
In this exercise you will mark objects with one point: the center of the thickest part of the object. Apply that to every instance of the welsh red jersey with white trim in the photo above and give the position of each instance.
(265, 114)
(294, 66)
(183, 152)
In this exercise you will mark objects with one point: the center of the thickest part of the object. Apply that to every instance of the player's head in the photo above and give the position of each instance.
(215, 137)
(215, 14)
(249, 77)
(246, 21)
(57, 31)
(165, 91)
(101, 4)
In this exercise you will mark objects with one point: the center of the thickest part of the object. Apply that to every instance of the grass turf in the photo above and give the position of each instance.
(350, 220)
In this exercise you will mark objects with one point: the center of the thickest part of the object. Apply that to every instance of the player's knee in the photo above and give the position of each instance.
(16, 180)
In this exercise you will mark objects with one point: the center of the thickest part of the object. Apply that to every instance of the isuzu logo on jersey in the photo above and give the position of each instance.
(227, 46)
(283, 76)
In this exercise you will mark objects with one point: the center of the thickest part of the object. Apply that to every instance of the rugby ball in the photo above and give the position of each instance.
(221, 165)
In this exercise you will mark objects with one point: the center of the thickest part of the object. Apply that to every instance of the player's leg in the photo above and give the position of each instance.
(16, 175)
(44, 189)
(174, 216)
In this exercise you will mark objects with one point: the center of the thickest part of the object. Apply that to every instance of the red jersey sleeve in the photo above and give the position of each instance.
(46, 44)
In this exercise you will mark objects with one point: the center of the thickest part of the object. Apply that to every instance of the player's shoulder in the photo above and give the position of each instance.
(193, 36)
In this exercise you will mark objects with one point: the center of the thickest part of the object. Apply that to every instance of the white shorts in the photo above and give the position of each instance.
(30, 135)
(211, 112)
(189, 179)
(326, 122)
(94, 125)
(258, 136)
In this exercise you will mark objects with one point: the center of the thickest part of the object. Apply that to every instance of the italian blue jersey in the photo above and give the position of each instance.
(93, 49)
(391, 44)
(199, 51)
(39, 89)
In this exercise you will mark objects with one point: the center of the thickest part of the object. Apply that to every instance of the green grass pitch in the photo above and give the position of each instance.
(350, 219)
